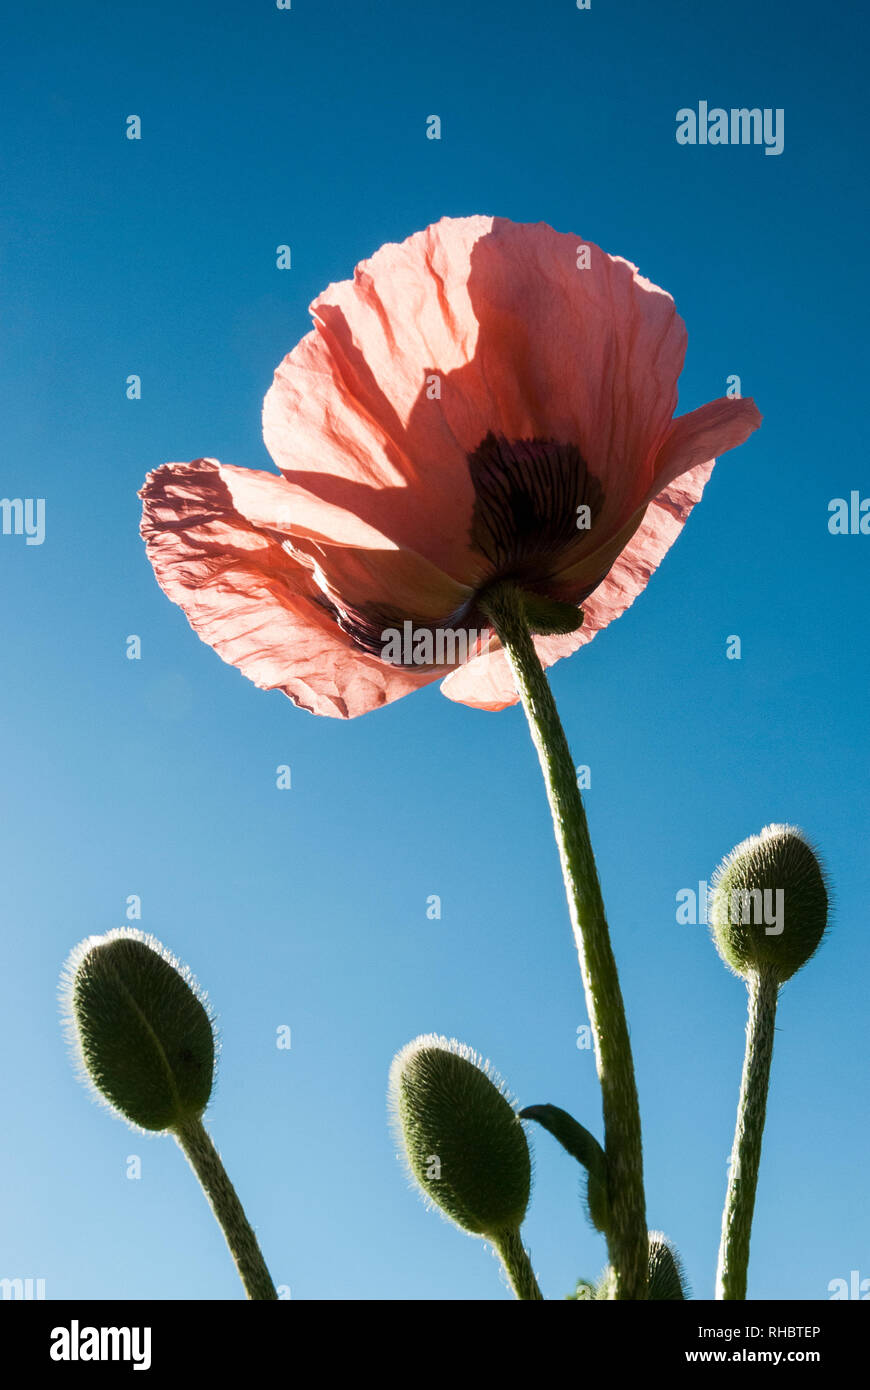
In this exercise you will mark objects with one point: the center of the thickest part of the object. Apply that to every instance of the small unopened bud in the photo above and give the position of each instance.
(141, 1028)
(768, 905)
(583, 1293)
(464, 1143)
(666, 1277)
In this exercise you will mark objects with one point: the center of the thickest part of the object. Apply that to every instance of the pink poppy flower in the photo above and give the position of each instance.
(472, 406)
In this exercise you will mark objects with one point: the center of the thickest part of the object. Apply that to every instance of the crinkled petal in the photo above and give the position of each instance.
(247, 597)
(702, 435)
(522, 342)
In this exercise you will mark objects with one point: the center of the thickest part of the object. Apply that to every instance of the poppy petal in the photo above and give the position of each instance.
(703, 434)
(520, 342)
(254, 603)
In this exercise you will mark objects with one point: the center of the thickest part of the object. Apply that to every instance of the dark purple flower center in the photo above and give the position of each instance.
(534, 501)
(527, 508)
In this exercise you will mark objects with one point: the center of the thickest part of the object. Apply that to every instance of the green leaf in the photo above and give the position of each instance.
(583, 1146)
(550, 617)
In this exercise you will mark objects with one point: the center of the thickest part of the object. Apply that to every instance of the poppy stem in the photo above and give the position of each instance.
(518, 1266)
(627, 1237)
(197, 1145)
(731, 1273)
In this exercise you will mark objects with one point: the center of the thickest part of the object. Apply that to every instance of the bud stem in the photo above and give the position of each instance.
(763, 989)
(627, 1236)
(518, 1266)
(197, 1146)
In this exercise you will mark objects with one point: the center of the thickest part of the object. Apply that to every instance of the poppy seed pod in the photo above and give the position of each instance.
(768, 906)
(464, 1143)
(142, 1029)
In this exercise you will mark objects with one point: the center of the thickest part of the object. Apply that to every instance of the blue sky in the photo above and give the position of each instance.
(308, 907)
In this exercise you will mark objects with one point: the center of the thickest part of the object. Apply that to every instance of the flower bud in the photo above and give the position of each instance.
(584, 1292)
(768, 904)
(667, 1279)
(141, 1028)
(463, 1141)
(665, 1274)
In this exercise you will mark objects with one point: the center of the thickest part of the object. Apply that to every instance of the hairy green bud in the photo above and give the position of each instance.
(768, 906)
(464, 1143)
(666, 1276)
(141, 1028)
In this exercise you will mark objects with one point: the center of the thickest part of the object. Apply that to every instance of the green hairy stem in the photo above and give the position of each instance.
(518, 1266)
(731, 1273)
(627, 1231)
(205, 1161)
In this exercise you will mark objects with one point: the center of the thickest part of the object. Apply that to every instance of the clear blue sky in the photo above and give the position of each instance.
(308, 907)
